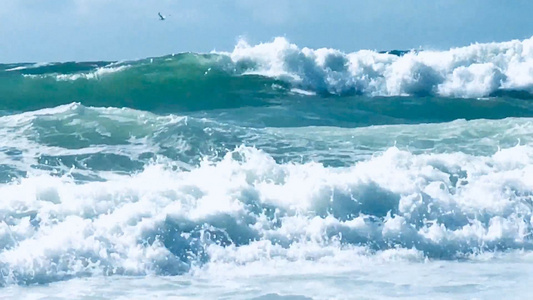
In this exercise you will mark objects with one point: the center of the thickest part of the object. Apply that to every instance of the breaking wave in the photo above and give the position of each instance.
(479, 70)
(248, 208)
(124, 192)
(258, 75)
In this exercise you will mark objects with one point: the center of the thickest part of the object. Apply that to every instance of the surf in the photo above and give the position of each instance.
(261, 74)
(270, 159)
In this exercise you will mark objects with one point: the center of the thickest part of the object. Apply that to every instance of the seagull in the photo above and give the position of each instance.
(161, 17)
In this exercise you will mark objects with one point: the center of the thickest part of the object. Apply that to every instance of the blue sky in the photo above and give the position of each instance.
(63, 30)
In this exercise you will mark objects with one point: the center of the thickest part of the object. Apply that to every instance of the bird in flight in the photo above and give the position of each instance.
(161, 17)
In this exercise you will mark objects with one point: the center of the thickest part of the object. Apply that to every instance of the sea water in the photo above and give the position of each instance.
(270, 172)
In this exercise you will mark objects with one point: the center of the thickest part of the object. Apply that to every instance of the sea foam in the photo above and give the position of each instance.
(473, 71)
(248, 208)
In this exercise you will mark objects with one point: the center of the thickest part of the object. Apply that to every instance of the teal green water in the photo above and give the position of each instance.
(193, 82)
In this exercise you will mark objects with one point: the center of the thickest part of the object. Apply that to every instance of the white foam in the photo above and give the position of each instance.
(98, 73)
(161, 220)
(473, 71)
(32, 66)
(303, 92)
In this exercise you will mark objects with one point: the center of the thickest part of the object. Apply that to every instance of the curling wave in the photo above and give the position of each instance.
(479, 70)
(261, 74)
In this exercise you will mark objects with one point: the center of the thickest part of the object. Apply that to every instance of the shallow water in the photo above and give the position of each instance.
(504, 278)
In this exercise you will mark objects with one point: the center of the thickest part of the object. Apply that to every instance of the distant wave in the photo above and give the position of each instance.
(255, 75)
(478, 70)
(180, 82)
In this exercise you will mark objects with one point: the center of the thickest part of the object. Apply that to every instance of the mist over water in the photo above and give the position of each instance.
(232, 174)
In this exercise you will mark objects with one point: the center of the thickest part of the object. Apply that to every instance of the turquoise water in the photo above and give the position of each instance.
(272, 171)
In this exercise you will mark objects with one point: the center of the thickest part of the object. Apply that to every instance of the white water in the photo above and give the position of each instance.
(445, 213)
(473, 71)
(160, 221)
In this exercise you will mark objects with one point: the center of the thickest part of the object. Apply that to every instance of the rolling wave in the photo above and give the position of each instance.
(180, 82)
(474, 71)
(258, 75)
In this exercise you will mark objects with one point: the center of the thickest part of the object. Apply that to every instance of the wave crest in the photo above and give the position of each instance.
(474, 71)
(258, 75)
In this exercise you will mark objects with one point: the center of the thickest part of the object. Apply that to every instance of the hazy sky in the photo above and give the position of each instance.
(61, 30)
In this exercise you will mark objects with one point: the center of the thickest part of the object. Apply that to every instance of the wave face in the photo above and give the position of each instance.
(270, 160)
(258, 75)
(180, 82)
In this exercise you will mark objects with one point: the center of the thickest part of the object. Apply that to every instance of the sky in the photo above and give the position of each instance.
(81, 30)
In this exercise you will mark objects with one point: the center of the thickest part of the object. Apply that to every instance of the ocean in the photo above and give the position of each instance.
(270, 172)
